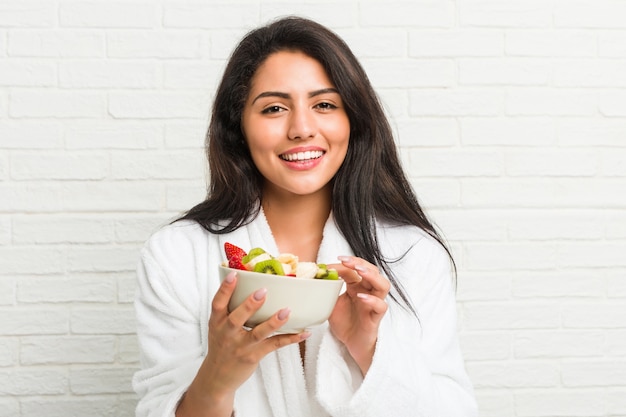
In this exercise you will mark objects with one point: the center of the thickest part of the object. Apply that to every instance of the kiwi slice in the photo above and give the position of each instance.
(254, 252)
(270, 266)
(323, 272)
(332, 274)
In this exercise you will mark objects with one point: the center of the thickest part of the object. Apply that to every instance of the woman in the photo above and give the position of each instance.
(302, 161)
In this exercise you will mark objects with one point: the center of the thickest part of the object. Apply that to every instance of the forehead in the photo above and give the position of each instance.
(290, 69)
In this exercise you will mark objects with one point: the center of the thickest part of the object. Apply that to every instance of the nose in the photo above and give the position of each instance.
(302, 124)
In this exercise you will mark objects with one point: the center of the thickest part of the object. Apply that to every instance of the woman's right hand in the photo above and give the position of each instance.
(234, 353)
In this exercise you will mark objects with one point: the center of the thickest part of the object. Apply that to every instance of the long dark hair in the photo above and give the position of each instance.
(369, 185)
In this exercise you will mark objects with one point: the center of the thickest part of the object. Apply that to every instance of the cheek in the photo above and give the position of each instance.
(341, 134)
(261, 150)
(262, 134)
(261, 145)
(345, 126)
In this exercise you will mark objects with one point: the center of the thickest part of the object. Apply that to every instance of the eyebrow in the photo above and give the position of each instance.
(287, 96)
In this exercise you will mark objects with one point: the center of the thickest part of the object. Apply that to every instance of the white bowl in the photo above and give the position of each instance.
(311, 300)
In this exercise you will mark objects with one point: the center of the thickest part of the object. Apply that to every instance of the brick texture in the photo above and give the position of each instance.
(511, 120)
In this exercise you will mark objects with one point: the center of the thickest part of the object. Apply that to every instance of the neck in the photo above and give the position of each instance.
(297, 222)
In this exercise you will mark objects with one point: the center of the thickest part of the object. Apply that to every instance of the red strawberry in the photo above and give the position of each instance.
(234, 255)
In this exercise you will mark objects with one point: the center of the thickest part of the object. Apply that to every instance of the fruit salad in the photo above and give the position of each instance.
(287, 264)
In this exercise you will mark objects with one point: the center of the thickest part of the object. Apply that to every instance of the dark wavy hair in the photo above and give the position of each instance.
(369, 185)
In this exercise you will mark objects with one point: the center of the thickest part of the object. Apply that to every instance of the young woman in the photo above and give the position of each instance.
(302, 161)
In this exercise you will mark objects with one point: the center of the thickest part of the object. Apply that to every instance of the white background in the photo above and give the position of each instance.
(511, 118)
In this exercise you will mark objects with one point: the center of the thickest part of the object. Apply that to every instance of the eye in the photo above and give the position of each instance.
(325, 106)
(272, 109)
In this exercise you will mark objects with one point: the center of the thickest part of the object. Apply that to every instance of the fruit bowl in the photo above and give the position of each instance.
(311, 300)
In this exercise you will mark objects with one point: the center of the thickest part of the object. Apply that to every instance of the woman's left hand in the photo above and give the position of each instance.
(359, 310)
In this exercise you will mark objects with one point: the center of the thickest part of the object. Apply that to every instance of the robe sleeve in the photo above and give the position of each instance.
(169, 309)
(417, 369)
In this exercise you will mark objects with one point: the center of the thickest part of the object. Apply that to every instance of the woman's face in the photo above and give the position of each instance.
(295, 124)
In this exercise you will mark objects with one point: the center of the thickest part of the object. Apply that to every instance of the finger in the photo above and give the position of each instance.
(268, 327)
(357, 264)
(377, 306)
(373, 280)
(281, 340)
(240, 315)
(351, 261)
(370, 275)
(219, 305)
(349, 275)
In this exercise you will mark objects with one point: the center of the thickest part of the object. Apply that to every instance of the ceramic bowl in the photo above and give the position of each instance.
(311, 300)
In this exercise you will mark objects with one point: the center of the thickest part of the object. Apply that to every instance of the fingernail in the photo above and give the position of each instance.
(260, 293)
(305, 335)
(284, 313)
(362, 295)
(230, 277)
(360, 268)
(343, 258)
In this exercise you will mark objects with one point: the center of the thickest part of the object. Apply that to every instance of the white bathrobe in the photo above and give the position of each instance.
(417, 369)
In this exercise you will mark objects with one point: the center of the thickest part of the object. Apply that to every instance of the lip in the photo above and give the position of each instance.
(301, 165)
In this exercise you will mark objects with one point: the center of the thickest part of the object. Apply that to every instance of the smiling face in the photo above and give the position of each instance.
(295, 125)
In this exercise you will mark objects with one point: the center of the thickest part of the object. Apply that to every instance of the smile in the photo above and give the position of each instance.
(302, 156)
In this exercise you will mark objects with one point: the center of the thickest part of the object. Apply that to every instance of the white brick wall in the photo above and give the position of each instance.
(511, 118)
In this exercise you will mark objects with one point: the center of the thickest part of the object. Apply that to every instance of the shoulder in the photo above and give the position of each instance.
(178, 236)
(173, 264)
(177, 246)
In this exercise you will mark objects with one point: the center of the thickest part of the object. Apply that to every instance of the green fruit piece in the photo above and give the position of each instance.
(254, 252)
(270, 266)
(332, 274)
(322, 271)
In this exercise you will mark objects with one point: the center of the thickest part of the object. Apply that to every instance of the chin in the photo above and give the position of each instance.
(304, 191)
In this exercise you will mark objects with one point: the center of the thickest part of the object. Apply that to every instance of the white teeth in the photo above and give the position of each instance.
(302, 156)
